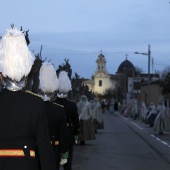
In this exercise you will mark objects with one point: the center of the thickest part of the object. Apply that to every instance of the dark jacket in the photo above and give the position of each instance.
(56, 117)
(72, 117)
(23, 125)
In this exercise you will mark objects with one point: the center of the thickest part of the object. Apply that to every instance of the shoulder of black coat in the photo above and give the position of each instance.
(57, 104)
(27, 91)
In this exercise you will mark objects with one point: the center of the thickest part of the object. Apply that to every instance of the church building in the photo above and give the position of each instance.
(101, 80)
(126, 81)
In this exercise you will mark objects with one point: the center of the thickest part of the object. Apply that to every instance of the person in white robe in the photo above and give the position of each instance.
(135, 111)
(143, 111)
(152, 113)
(97, 114)
(161, 122)
(87, 131)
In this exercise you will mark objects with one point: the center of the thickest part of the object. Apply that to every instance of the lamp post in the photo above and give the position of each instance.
(149, 56)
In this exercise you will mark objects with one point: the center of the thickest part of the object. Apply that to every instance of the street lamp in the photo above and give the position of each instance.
(149, 56)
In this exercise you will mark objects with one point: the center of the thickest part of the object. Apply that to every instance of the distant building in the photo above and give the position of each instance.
(155, 92)
(127, 81)
(101, 80)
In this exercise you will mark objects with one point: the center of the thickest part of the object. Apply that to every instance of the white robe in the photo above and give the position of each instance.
(162, 123)
(87, 131)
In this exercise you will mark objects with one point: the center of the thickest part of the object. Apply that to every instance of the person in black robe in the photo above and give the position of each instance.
(56, 115)
(71, 113)
(24, 136)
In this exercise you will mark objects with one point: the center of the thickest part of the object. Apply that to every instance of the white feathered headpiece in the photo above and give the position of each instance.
(64, 83)
(48, 78)
(16, 59)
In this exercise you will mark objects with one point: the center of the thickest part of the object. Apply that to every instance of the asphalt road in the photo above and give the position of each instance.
(124, 144)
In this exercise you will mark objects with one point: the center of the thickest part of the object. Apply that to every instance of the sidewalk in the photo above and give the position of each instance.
(138, 122)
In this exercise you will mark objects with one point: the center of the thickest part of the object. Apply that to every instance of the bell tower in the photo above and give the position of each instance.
(101, 66)
(101, 77)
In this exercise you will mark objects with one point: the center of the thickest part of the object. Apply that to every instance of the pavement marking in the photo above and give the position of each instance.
(137, 125)
(158, 139)
(163, 142)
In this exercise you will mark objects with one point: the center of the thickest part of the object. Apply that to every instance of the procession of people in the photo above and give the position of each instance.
(157, 117)
(39, 130)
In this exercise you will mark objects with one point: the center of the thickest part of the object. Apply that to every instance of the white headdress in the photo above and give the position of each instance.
(48, 78)
(16, 60)
(64, 84)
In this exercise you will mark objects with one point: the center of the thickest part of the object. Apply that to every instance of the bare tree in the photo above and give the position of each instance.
(65, 67)
(110, 93)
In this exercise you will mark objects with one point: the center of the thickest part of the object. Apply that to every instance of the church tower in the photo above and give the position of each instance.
(101, 66)
(101, 77)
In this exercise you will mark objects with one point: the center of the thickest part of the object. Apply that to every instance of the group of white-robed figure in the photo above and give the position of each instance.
(90, 116)
(158, 117)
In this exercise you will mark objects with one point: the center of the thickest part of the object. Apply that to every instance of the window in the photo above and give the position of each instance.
(100, 82)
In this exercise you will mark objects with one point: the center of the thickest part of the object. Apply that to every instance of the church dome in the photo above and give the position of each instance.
(126, 65)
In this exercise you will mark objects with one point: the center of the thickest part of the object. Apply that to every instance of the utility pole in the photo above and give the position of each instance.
(149, 78)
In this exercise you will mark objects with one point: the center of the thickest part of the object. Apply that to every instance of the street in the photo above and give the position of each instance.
(124, 144)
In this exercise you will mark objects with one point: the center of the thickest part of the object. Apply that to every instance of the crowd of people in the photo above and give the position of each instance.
(157, 117)
(39, 131)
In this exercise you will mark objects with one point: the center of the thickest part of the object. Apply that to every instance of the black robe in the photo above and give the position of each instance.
(56, 117)
(23, 125)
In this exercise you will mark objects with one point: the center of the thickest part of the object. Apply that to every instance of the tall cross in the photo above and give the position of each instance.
(126, 56)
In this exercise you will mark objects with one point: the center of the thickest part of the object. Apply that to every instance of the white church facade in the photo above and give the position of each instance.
(101, 81)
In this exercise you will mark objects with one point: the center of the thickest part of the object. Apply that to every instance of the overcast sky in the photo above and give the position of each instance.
(79, 29)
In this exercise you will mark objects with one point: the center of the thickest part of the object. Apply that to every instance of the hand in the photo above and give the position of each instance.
(76, 139)
(63, 161)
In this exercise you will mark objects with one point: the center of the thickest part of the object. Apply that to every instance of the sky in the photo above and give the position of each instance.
(79, 30)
